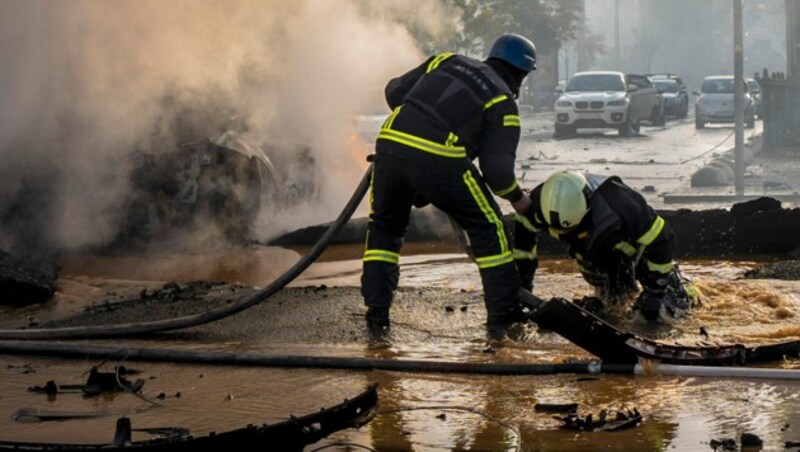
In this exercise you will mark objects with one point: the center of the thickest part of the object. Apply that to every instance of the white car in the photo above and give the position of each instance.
(715, 102)
(605, 99)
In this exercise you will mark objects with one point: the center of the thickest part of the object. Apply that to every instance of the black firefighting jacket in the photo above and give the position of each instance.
(459, 107)
(619, 223)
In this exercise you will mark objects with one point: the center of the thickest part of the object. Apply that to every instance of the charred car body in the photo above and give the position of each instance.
(226, 180)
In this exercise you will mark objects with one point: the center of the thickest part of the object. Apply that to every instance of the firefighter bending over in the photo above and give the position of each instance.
(446, 112)
(615, 237)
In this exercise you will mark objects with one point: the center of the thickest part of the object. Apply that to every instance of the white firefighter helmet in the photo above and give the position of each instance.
(565, 199)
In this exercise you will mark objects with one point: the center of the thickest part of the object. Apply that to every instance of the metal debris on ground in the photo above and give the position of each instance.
(556, 407)
(96, 383)
(603, 423)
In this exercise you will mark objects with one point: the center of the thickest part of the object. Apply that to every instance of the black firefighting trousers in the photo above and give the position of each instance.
(403, 175)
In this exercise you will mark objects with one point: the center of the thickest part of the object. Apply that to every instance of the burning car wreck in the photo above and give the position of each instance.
(226, 180)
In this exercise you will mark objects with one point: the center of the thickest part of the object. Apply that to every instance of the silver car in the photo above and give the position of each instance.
(604, 99)
(715, 102)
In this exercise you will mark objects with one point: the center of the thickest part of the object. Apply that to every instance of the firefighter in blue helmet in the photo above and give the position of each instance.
(615, 237)
(446, 112)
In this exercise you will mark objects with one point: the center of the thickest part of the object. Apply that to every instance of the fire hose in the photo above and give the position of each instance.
(83, 351)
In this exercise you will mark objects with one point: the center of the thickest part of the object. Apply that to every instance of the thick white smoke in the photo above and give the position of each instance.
(83, 82)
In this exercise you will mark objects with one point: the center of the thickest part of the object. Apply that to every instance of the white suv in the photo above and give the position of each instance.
(604, 99)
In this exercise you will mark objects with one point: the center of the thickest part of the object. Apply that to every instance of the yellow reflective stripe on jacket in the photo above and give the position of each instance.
(422, 144)
(554, 233)
(511, 120)
(494, 101)
(487, 210)
(506, 191)
(522, 254)
(655, 230)
(526, 223)
(494, 261)
(626, 248)
(381, 255)
(390, 120)
(437, 61)
(660, 268)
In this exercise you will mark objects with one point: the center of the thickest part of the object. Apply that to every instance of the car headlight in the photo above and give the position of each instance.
(617, 103)
(563, 103)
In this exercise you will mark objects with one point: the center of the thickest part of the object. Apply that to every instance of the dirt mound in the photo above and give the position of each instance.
(789, 270)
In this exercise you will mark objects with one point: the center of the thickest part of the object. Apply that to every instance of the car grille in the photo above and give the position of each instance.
(583, 105)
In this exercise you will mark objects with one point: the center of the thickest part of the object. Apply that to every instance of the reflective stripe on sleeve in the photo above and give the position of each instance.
(437, 61)
(655, 229)
(494, 261)
(494, 101)
(626, 248)
(664, 269)
(506, 191)
(526, 255)
(511, 121)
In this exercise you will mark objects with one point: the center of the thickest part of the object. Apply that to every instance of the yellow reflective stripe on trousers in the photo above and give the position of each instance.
(660, 268)
(508, 190)
(491, 216)
(381, 255)
(522, 254)
(626, 248)
(655, 230)
(437, 61)
(511, 120)
(422, 144)
(494, 261)
(494, 101)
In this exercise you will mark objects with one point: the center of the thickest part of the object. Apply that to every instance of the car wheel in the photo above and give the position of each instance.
(625, 129)
(563, 130)
(684, 112)
(658, 118)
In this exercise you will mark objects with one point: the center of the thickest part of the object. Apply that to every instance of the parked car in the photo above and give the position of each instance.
(715, 102)
(755, 93)
(673, 91)
(605, 99)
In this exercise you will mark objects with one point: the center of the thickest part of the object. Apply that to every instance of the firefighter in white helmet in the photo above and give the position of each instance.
(615, 237)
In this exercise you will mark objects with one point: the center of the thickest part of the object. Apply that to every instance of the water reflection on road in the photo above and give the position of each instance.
(434, 411)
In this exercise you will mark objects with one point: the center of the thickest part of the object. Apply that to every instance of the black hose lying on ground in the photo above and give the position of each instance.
(132, 329)
(83, 351)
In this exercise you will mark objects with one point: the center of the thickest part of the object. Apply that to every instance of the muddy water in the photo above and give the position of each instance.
(418, 411)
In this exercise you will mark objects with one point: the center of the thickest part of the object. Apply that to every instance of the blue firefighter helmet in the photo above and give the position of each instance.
(516, 50)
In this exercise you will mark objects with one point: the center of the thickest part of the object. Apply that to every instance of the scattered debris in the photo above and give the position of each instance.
(556, 407)
(786, 270)
(622, 420)
(441, 416)
(649, 189)
(751, 440)
(723, 444)
(96, 383)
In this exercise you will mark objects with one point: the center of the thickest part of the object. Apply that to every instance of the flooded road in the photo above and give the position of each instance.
(438, 314)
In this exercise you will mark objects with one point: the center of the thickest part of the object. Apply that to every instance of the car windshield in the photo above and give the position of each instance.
(753, 85)
(596, 82)
(665, 86)
(718, 86)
